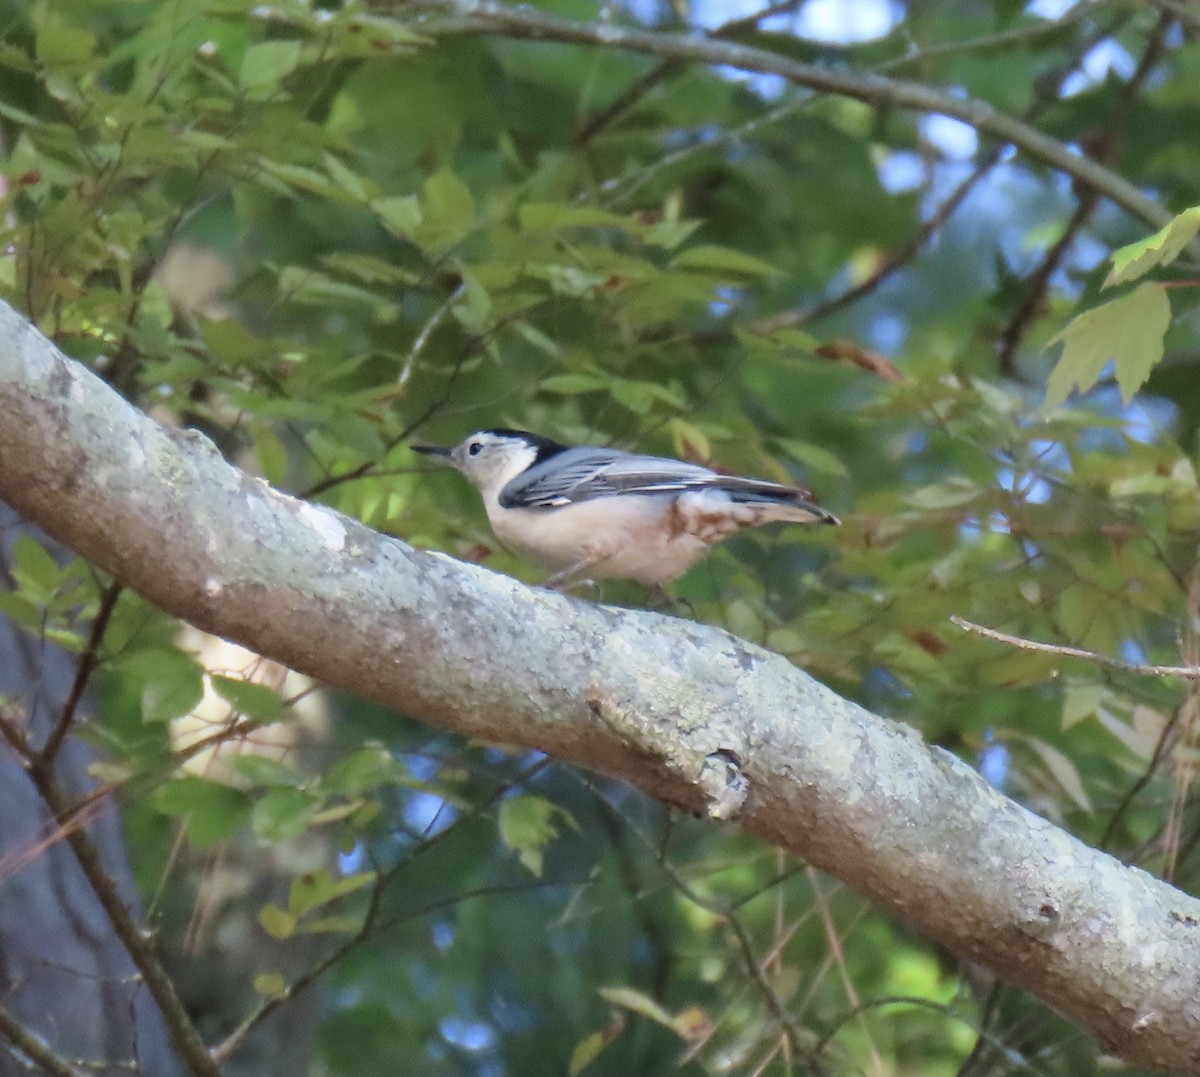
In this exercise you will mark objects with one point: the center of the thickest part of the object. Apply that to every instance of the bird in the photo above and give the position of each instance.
(589, 512)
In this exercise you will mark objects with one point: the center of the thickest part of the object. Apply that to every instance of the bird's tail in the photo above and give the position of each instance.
(778, 503)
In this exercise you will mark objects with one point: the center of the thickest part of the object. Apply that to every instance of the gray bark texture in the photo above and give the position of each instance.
(64, 974)
(687, 712)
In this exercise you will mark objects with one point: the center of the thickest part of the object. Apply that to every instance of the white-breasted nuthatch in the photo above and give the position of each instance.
(603, 513)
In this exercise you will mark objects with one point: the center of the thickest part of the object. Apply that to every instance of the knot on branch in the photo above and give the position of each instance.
(723, 784)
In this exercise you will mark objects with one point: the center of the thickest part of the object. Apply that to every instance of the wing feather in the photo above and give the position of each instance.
(586, 473)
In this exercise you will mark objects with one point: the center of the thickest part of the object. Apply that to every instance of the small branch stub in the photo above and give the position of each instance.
(723, 784)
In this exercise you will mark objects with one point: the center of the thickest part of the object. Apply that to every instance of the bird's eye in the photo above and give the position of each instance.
(474, 448)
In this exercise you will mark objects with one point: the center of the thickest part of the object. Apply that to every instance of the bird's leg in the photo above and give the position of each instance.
(662, 601)
(556, 580)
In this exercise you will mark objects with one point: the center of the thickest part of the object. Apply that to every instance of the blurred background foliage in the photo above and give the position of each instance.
(321, 231)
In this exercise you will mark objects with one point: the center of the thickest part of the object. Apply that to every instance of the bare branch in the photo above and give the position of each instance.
(1140, 669)
(88, 661)
(688, 713)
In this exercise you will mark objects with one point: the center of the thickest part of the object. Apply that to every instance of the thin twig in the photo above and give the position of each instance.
(136, 940)
(86, 666)
(427, 332)
(837, 952)
(1139, 669)
(1156, 758)
(33, 1048)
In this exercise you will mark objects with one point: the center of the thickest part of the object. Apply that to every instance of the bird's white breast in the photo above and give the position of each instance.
(636, 537)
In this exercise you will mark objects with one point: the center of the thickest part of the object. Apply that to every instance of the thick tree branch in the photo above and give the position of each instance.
(692, 715)
(489, 17)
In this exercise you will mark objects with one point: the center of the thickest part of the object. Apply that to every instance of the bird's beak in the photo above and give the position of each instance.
(433, 450)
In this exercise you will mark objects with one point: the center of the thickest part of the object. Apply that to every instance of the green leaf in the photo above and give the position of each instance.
(16, 58)
(1062, 770)
(272, 456)
(282, 814)
(1081, 701)
(526, 826)
(277, 922)
(1142, 738)
(173, 688)
(1081, 613)
(537, 216)
(269, 984)
(62, 46)
(213, 811)
(572, 384)
(813, 456)
(585, 1052)
(669, 234)
(723, 260)
(1128, 331)
(22, 611)
(266, 65)
(448, 201)
(636, 1002)
(640, 396)
(955, 491)
(263, 770)
(316, 888)
(346, 178)
(35, 568)
(400, 214)
(537, 338)
(254, 700)
(363, 770)
(1162, 248)
(690, 442)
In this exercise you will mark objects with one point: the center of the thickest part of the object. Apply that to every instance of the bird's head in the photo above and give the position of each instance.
(493, 458)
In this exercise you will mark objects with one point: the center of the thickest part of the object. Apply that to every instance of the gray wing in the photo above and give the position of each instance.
(586, 473)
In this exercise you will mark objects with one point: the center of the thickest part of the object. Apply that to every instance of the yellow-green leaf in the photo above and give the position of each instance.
(535, 216)
(585, 1052)
(277, 922)
(399, 214)
(634, 1001)
(527, 825)
(1127, 331)
(270, 984)
(813, 456)
(266, 65)
(572, 384)
(320, 887)
(254, 700)
(723, 260)
(1062, 770)
(63, 45)
(448, 200)
(1160, 249)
